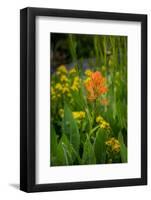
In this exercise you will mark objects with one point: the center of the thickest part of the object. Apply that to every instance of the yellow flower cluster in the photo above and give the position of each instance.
(72, 71)
(63, 78)
(75, 84)
(58, 90)
(61, 70)
(88, 72)
(65, 84)
(87, 80)
(113, 145)
(78, 115)
(58, 87)
(103, 124)
(55, 92)
(62, 87)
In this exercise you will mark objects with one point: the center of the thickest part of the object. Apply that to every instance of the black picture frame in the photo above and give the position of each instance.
(28, 98)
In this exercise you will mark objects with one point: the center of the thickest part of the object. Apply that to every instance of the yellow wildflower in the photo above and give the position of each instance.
(61, 70)
(103, 124)
(87, 80)
(53, 93)
(63, 78)
(78, 115)
(65, 90)
(116, 148)
(72, 71)
(75, 85)
(76, 79)
(113, 145)
(58, 86)
(99, 119)
(88, 72)
(66, 85)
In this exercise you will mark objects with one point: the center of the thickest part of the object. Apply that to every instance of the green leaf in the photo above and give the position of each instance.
(123, 150)
(77, 100)
(53, 150)
(122, 114)
(94, 129)
(99, 146)
(53, 141)
(88, 153)
(70, 128)
(64, 152)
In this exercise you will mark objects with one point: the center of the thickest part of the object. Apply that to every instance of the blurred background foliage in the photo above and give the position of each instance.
(88, 50)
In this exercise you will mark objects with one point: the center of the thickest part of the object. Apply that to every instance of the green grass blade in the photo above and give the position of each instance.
(123, 150)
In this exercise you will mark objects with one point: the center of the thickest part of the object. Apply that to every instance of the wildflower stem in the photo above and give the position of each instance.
(94, 129)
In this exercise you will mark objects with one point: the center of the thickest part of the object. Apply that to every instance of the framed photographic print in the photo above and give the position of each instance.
(83, 99)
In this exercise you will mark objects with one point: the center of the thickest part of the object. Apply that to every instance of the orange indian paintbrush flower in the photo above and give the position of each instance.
(96, 85)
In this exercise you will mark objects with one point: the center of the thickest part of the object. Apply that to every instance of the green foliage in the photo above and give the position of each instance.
(99, 146)
(53, 146)
(88, 153)
(72, 47)
(123, 148)
(64, 154)
(70, 128)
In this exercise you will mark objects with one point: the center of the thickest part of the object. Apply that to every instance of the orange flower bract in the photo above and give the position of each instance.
(104, 102)
(96, 86)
